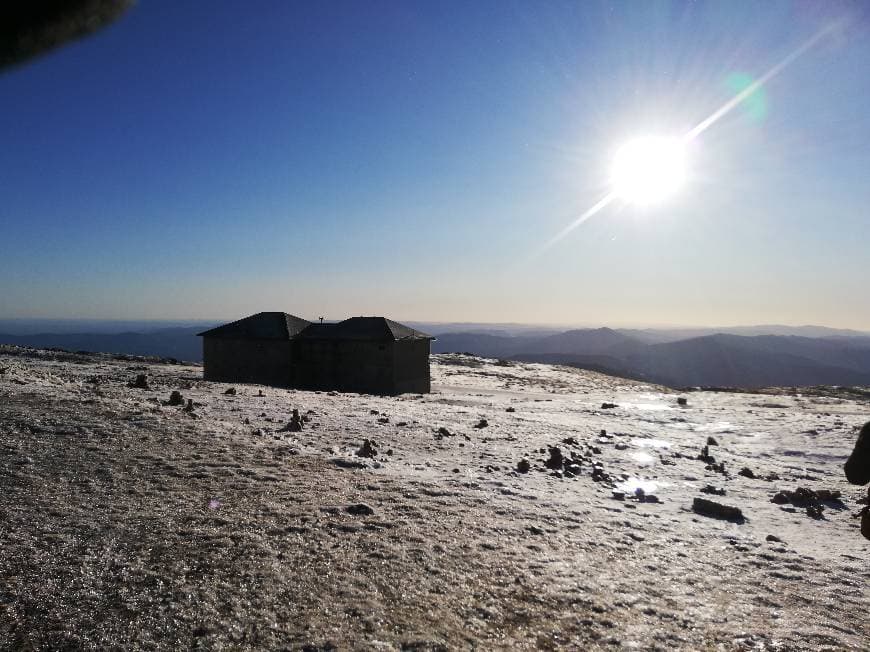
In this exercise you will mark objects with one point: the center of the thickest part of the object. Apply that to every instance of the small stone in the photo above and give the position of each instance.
(773, 538)
(608, 406)
(141, 382)
(815, 511)
(711, 441)
(481, 424)
(510, 409)
(556, 459)
(682, 400)
(231, 391)
(367, 449)
(523, 466)
(746, 472)
(717, 510)
(360, 509)
(175, 398)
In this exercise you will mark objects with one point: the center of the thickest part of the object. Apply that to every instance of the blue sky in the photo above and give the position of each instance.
(209, 160)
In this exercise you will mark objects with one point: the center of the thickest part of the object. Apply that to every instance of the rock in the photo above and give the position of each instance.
(189, 406)
(572, 468)
(510, 409)
(534, 529)
(608, 406)
(710, 489)
(443, 432)
(618, 495)
(815, 511)
(374, 412)
(175, 398)
(481, 424)
(711, 441)
(705, 456)
(811, 501)
(717, 468)
(523, 466)
(713, 509)
(682, 400)
(828, 494)
(556, 459)
(260, 393)
(348, 464)
(367, 449)
(384, 420)
(773, 538)
(620, 446)
(598, 474)
(570, 441)
(746, 472)
(231, 391)
(295, 423)
(360, 509)
(141, 382)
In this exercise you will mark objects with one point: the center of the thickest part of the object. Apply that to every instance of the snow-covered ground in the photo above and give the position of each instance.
(125, 521)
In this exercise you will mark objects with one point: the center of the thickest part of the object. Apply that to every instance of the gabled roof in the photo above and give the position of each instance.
(364, 328)
(262, 326)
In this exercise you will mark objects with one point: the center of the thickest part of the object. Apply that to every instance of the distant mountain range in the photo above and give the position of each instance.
(753, 356)
(180, 343)
(719, 359)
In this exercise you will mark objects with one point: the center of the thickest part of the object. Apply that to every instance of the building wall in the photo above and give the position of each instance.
(411, 367)
(267, 362)
(344, 366)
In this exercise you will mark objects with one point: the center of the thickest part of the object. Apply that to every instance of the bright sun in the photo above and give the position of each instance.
(648, 170)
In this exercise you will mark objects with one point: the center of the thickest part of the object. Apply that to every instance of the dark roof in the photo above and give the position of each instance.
(364, 328)
(262, 326)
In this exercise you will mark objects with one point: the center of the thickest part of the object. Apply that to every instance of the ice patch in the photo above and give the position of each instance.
(644, 459)
(633, 484)
(643, 442)
(718, 426)
(647, 406)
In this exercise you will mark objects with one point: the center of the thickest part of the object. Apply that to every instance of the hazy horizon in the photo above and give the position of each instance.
(413, 160)
(109, 325)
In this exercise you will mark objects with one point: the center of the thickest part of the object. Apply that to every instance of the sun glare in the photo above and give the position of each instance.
(648, 170)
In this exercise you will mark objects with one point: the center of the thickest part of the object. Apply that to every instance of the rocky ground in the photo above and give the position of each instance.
(129, 520)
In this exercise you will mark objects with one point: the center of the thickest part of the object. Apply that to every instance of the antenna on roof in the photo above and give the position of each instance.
(321, 319)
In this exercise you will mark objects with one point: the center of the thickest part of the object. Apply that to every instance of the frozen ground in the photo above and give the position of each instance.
(125, 522)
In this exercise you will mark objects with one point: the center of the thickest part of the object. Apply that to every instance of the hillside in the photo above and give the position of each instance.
(130, 520)
(710, 360)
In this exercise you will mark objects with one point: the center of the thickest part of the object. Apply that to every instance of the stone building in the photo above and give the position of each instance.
(371, 355)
